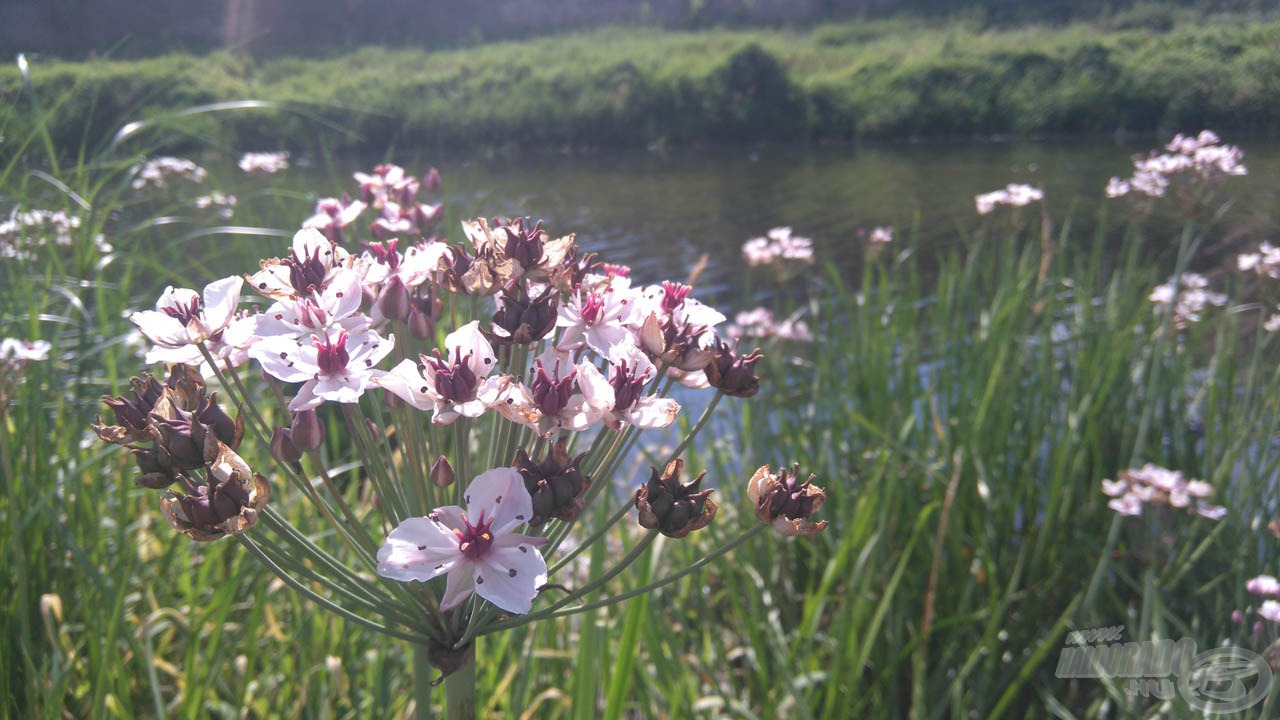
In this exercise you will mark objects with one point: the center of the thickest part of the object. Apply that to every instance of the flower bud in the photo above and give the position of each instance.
(157, 472)
(431, 181)
(420, 326)
(556, 484)
(228, 502)
(442, 473)
(671, 508)
(394, 301)
(520, 319)
(306, 432)
(731, 373)
(786, 503)
(282, 447)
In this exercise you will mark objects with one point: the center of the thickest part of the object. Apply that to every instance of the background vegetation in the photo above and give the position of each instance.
(626, 86)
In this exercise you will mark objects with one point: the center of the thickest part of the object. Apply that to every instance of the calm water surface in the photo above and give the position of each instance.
(661, 211)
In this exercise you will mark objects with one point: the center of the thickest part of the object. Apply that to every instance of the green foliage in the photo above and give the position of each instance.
(878, 79)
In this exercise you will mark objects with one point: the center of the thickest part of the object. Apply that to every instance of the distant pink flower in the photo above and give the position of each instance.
(333, 215)
(881, 235)
(1188, 297)
(1263, 585)
(1012, 195)
(779, 245)
(24, 350)
(264, 163)
(1270, 610)
(476, 548)
(1152, 485)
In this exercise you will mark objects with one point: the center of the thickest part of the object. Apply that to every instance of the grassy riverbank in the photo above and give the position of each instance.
(629, 87)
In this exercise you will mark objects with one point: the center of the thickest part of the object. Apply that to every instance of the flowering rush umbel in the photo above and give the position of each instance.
(447, 412)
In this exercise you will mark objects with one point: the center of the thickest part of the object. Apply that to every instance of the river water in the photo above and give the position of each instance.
(661, 211)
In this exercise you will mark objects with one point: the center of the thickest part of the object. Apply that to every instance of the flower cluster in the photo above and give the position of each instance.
(778, 247)
(27, 230)
(1191, 163)
(545, 352)
(1265, 262)
(881, 235)
(1013, 195)
(14, 356)
(759, 323)
(159, 172)
(224, 204)
(264, 163)
(1154, 486)
(179, 436)
(1187, 296)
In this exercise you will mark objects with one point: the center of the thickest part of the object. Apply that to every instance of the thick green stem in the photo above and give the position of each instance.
(422, 672)
(460, 692)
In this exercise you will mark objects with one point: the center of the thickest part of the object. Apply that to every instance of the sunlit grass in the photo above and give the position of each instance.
(960, 409)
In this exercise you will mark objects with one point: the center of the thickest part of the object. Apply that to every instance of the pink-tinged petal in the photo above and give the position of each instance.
(449, 517)
(185, 355)
(652, 412)
(573, 337)
(471, 409)
(306, 399)
(499, 494)
(603, 338)
(220, 300)
(310, 241)
(459, 585)
(272, 281)
(596, 390)
(351, 212)
(343, 295)
(469, 341)
(161, 328)
(173, 298)
(515, 403)
(405, 382)
(284, 359)
(511, 577)
(420, 261)
(417, 549)
(346, 388)
(368, 349)
(445, 416)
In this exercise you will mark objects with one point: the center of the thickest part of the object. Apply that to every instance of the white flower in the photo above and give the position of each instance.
(158, 171)
(1013, 195)
(881, 235)
(620, 400)
(332, 215)
(24, 350)
(182, 319)
(1117, 187)
(778, 246)
(336, 305)
(266, 163)
(1263, 585)
(455, 385)
(597, 319)
(1270, 610)
(312, 264)
(337, 366)
(552, 400)
(476, 549)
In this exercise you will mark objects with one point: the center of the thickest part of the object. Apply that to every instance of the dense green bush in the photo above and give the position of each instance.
(635, 87)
